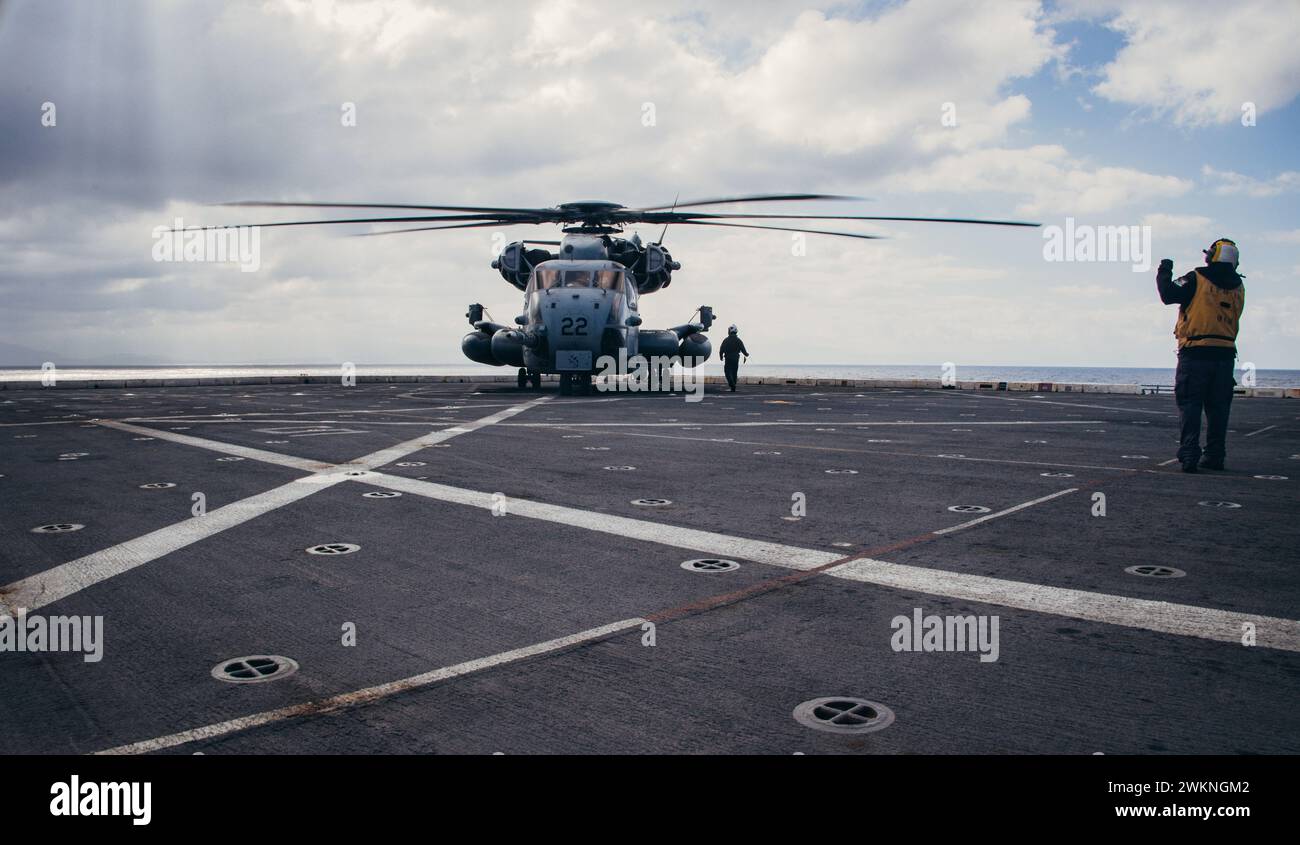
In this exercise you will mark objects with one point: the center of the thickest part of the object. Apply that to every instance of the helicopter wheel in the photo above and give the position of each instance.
(566, 384)
(523, 378)
(536, 379)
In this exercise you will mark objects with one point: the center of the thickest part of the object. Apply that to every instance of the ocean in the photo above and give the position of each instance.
(1079, 375)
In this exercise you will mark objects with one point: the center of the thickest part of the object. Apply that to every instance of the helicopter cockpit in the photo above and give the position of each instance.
(546, 278)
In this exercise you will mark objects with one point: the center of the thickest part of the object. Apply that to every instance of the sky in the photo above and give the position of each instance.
(1169, 114)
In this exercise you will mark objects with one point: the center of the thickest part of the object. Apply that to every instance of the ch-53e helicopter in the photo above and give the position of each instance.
(581, 303)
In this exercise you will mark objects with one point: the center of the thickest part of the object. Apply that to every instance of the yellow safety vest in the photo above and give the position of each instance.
(1211, 318)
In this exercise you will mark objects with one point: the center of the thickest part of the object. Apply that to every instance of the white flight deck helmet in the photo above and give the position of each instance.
(1223, 250)
(731, 329)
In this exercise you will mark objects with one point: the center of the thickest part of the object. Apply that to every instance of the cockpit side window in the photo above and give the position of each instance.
(610, 280)
(546, 279)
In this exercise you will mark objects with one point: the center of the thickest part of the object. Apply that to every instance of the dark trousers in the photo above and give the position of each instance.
(730, 367)
(1203, 386)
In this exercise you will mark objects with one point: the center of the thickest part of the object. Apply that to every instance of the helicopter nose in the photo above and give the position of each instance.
(576, 319)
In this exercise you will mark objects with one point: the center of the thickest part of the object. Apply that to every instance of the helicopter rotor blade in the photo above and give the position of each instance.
(485, 223)
(488, 219)
(465, 208)
(751, 198)
(969, 220)
(780, 229)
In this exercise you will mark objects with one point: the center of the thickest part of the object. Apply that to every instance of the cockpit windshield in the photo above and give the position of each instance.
(604, 279)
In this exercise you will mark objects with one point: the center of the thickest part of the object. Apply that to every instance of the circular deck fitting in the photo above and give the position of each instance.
(652, 503)
(1214, 504)
(570, 436)
(767, 453)
(823, 429)
(620, 468)
(875, 439)
(157, 485)
(1155, 571)
(410, 464)
(966, 430)
(844, 715)
(1271, 477)
(1057, 474)
(74, 454)
(332, 549)
(356, 473)
(951, 455)
(381, 494)
(968, 509)
(1136, 457)
(57, 528)
(710, 565)
(254, 669)
(230, 458)
(1035, 441)
(841, 472)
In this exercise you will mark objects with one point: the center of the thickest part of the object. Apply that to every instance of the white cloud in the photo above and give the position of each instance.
(1177, 225)
(845, 85)
(1199, 62)
(1047, 175)
(1226, 182)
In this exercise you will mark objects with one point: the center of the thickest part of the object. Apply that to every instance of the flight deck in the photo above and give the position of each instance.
(469, 568)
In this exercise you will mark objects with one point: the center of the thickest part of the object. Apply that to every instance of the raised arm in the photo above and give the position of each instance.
(1174, 292)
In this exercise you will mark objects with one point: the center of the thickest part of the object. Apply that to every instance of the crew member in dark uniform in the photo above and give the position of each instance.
(731, 350)
(1210, 301)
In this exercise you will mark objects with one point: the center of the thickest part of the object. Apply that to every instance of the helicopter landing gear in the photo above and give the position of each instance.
(571, 383)
(523, 378)
(536, 379)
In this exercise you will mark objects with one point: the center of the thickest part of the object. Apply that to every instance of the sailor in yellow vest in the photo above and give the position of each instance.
(1210, 301)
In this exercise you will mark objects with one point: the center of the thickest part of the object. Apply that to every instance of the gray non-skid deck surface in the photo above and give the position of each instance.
(437, 583)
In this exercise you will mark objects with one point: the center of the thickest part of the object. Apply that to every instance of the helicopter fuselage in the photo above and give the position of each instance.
(580, 312)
